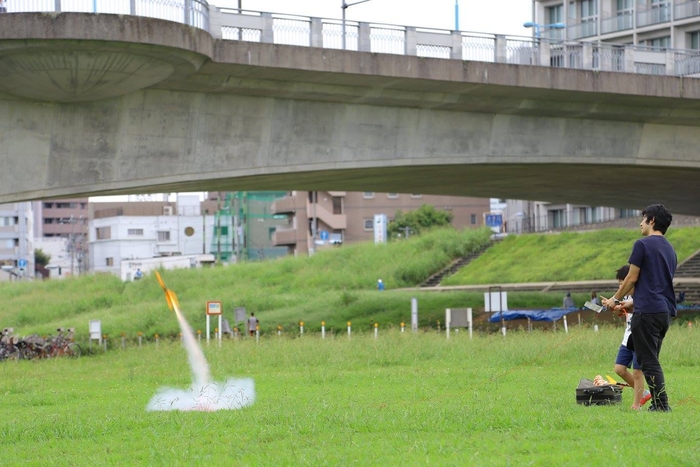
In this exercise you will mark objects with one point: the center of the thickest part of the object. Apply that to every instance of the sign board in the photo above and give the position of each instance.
(459, 318)
(380, 228)
(494, 221)
(324, 235)
(213, 308)
(494, 302)
(22, 263)
(239, 314)
(95, 328)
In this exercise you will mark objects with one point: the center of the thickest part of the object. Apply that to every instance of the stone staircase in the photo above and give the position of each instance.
(435, 279)
(690, 267)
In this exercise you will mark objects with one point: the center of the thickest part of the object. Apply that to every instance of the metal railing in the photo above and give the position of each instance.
(304, 31)
(191, 12)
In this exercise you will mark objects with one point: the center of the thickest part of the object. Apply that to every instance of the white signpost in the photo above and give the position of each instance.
(214, 308)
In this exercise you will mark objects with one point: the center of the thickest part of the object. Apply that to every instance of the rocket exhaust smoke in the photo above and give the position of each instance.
(204, 394)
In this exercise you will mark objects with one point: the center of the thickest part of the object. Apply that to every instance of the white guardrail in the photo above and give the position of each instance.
(304, 31)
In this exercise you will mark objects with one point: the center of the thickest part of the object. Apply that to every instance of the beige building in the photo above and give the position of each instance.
(335, 217)
(657, 24)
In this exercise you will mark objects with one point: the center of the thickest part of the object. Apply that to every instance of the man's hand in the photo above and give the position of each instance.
(610, 304)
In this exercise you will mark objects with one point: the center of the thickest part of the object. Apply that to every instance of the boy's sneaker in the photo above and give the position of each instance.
(645, 398)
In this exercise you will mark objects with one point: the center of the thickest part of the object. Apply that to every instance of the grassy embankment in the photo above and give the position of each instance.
(334, 286)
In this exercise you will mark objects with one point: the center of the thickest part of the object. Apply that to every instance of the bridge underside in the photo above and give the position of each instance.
(228, 115)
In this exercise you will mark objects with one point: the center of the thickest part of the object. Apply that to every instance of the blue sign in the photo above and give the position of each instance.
(494, 220)
(21, 263)
(324, 235)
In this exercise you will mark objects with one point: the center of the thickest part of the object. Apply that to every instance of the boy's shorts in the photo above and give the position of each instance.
(627, 358)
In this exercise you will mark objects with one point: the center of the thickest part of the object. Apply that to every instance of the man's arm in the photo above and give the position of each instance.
(626, 286)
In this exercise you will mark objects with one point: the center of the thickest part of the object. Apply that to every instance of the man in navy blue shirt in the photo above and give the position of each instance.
(652, 266)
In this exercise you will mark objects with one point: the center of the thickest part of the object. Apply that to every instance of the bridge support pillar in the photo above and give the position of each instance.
(456, 49)
(411, 41)
(364, 43)
(501, 50)
(316, 32)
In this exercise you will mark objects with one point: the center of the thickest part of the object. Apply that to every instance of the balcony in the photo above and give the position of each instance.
(284, 205)
(686, 10)
(660, 14)
(284, 237)
(334, 221)
(622, 22)
(587, 29)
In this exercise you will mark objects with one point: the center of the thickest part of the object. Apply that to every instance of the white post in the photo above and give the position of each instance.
(323, 329)
(257, 333)
(448, 317)
(349, 329)
(301, 328)
(376, 329)
(469, 320)
(595, 328)
(566, 327)
(221, 332)
(414, 314)
(503, 330)
(208, 324)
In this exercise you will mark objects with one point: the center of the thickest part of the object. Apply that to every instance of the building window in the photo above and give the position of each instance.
(558, 218)
(135, 232)
(695, 40)
(472, 218)
(659, 43)
(368, 195)
(109, 261)
(337, 205)
(163, 235)
(48, 205)
(554, 14)
(103, 233)
(9, 244)
(7, 221)
(392, 195)
(369, 224)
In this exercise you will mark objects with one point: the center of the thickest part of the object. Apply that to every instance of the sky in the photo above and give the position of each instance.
(489, 16)
(492, 16)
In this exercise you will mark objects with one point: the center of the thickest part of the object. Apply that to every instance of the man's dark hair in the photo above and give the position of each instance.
(622, 272)
(662, 217)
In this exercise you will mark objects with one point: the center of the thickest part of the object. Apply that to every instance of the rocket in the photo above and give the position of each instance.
(170, 296)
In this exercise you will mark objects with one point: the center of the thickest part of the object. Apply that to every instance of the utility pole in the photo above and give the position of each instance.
(314, 222)
(406, 231)
(344, 6)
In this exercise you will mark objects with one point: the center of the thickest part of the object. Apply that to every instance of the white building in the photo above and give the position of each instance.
(121, 244)
(657, 24)
(16, 241)
(537, 216)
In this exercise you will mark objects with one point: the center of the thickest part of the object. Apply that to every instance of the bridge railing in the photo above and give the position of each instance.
(192, 12)
(274, 28)
(255, 26)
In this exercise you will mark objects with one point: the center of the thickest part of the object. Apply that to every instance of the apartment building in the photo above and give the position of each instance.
(61, 231)
(537, 216)
(319, 219)
(656, 24)
(16, 241)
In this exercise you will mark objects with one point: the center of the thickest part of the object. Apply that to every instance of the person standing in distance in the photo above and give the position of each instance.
(652, 267)
(252, 324)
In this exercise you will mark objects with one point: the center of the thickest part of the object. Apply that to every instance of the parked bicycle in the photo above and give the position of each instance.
(34, 346)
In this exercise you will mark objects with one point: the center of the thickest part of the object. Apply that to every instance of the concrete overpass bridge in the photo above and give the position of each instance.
(113, 104)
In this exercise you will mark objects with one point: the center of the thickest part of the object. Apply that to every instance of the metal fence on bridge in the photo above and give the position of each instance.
(305, 31)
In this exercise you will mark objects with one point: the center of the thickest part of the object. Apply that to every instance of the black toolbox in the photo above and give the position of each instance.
(588, 393)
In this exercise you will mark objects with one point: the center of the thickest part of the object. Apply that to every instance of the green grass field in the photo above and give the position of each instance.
(401, 399)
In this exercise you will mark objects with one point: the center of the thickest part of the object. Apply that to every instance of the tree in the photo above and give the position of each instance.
(41, 258)
(416, 221)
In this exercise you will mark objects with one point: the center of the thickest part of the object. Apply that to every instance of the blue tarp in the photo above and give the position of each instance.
(552, 314)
